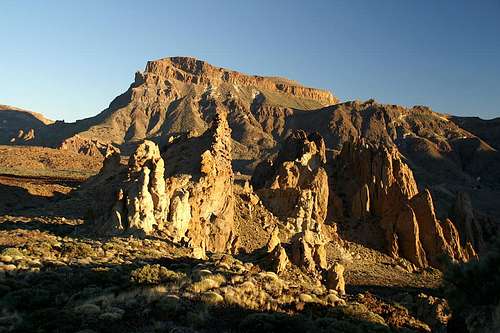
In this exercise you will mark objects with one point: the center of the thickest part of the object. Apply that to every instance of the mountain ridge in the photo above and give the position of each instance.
(180, 95)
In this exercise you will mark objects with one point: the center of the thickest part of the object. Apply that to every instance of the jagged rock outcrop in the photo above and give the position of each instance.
(276, 258)
(335, 278)
(438, 239)
(466, 222)
(185, 193)
(273, 241)
(294, 186)
(90, 147)
(140, 203)
(308, 251)
(376, 183)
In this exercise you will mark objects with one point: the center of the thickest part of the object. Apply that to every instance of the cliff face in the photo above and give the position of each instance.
(193, 71)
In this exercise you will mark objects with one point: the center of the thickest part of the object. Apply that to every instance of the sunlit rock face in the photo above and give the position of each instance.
(90, 147)
(184, 193)
(294, 186)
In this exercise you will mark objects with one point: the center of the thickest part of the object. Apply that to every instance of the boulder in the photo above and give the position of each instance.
(308, 251)
(335, 278)
(274, 240)
(278, 260)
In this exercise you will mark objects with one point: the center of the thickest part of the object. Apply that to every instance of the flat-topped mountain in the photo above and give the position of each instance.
(191, 70)
(180, 95)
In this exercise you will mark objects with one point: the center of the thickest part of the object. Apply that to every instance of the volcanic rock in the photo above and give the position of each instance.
(335, 278)
(360, 207)
(274, 240)
(308, 251)
(88, 147)
(468, 226)
(189, 199)
(278, 260)
(378, 184)
(438, 239)
(294, 186)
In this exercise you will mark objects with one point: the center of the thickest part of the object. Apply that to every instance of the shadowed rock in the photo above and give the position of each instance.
(376, 183)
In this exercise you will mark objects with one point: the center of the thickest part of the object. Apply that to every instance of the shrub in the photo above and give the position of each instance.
(28, 298)
(74, 250)
(473, 290)
(11, 252)
(154, 274)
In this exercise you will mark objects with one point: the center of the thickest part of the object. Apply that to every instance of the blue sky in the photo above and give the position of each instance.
(69, 59)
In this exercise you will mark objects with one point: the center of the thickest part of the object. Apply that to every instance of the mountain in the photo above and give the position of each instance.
(180, 95)
(488, 130)
(19, 125)
(302, 188)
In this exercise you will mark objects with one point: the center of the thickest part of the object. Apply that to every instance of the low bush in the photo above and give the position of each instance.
(473, 292)
(154, 274)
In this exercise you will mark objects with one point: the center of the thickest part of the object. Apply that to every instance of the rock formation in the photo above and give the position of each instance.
(276, 258)
(335, 278)
(438, 239)
(184, 193)
(175, 96)
(466, 222)
(18, 126)
(294, 186)
(376, 183)
(90, 147)
(308, 251)
(178, 95)
(305, 250)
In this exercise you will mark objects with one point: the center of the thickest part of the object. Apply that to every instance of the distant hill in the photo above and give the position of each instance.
(19, 126)
(488, 130)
